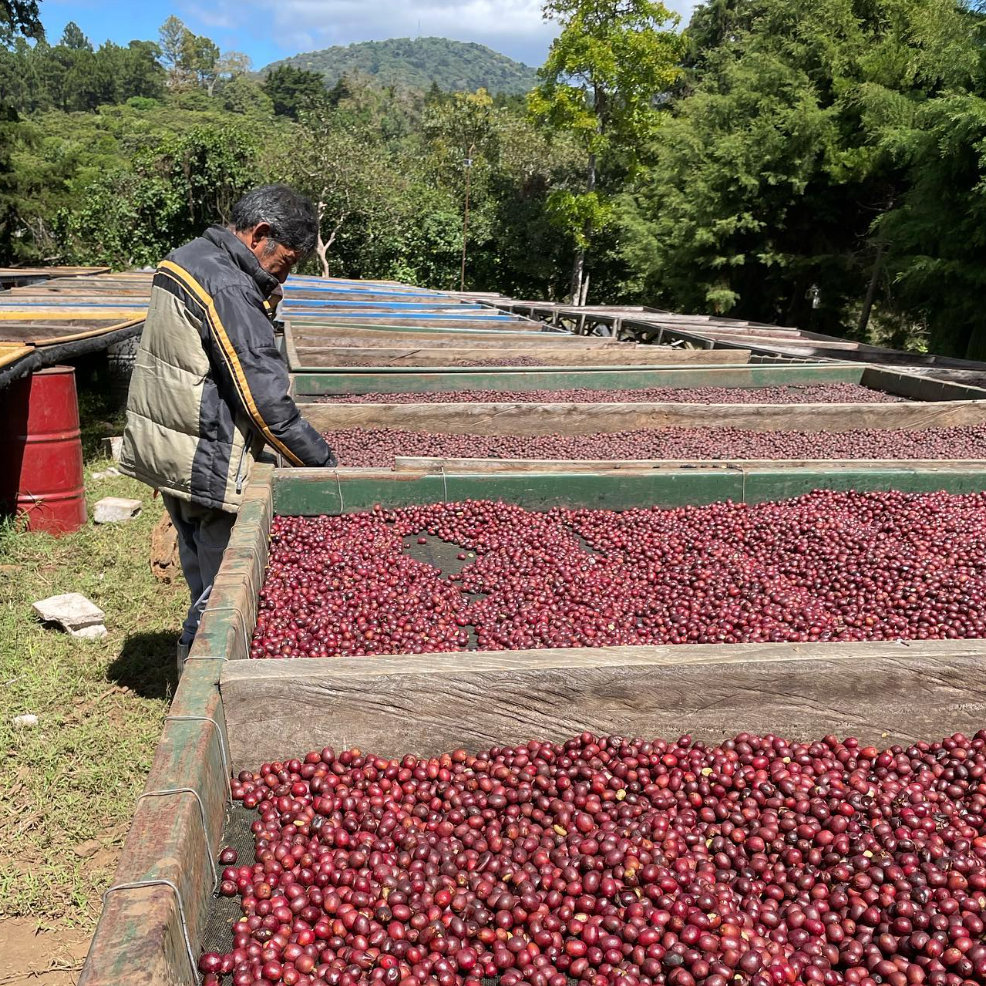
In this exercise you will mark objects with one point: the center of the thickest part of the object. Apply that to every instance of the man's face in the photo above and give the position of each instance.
(275, 258)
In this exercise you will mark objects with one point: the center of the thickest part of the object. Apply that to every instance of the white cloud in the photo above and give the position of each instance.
(514, 27)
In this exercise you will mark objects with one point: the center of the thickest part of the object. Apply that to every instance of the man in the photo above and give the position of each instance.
(210, 388)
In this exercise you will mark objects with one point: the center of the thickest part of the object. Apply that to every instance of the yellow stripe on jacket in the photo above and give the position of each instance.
(236, 369)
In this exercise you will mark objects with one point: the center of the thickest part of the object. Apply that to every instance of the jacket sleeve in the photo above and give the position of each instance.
(243, 344)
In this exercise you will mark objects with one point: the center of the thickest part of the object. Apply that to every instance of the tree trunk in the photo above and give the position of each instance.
(578, 267)
(584, 297)
(864, 315)
(321, 247)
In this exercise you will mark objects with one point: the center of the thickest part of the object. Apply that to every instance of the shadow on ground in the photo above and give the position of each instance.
(146, 664)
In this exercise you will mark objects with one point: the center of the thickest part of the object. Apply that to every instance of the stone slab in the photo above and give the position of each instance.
(72, 611)
(115, 510)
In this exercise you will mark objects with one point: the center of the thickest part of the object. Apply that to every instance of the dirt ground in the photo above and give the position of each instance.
(40, 958)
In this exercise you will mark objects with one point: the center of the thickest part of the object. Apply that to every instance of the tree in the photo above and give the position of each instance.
(241, 94)
(138, 71)
(134, 215)
(230, 65)
(20, 17)
(291, 89)
(340, 165)
(17, 17)
(466, 124)
(200, 60)
(601, 82)
(9, 184)
(934, 237)
(72, 37)
(785, 189)
(173, 34)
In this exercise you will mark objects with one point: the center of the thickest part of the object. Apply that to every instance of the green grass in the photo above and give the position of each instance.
(70, 783)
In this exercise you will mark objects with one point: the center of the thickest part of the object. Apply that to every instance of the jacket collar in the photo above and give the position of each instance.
(242, 257)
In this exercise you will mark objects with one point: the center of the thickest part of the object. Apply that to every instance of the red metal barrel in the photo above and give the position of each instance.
(41, 451)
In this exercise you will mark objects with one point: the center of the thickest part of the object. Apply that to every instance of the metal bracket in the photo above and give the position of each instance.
(161, 882)
(223, 751)
(205, 828)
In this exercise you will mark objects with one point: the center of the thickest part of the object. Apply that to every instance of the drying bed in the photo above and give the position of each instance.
(810, 393)
(320, 359)
(382, 447)
(617, 862)
(779, 382)
(233, 713)
(830, 566)
(602, 407)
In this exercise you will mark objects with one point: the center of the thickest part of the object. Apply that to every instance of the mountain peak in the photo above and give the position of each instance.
(418, 62)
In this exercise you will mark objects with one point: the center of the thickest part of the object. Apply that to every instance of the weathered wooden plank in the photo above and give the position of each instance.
(314, 358)
(418, 464)
(425, 323)
(881, 692)
(140, 929)
(581, 419)
(306, 334)
(629, 377)
(476, 338)
(139, 939)
(920, 388)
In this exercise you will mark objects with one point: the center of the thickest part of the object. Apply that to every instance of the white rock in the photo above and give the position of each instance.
(25, 720)
(115, 509)
(106, 473)
(71, 611)
(96, 632)
(112, 447)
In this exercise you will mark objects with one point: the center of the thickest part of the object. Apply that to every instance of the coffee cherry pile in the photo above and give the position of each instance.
(379, 446)
(820, 393)
(826, 566)
(616, 862)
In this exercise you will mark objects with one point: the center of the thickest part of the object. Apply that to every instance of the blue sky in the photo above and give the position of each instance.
(271, 29)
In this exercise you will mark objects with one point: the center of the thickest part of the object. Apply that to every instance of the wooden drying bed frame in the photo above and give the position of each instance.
(229, 712)
(335, 359)
(340, 383)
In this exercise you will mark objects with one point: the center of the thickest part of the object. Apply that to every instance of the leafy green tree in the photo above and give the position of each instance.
(134, 216)
(291, 89)
(601, 83)
(933, 238)
(241, 94)
(464, 127)
(17, 17)
(20, 17)
(200, 60)
(340, 165)
(173, 44)
(9, 184)
(138, 71)
(781, 188)
(72, 37)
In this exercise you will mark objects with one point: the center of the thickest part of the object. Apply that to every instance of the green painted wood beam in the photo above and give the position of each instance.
(314, 491)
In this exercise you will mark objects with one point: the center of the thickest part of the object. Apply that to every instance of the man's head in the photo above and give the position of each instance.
(278, 225)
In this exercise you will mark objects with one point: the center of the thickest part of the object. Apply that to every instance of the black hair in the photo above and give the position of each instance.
(292, 218)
